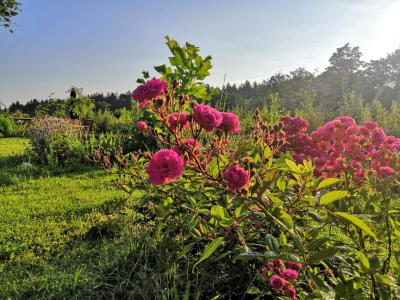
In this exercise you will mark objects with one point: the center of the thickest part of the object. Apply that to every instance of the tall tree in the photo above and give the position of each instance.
(346, 59)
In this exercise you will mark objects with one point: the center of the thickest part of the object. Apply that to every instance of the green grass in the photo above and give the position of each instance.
(61, 237)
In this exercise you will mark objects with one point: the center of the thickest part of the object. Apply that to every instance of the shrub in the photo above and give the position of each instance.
(54, 140)
(273, 205)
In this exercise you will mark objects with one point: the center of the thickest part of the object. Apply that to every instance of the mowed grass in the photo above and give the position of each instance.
(59, 230)
(62, 237)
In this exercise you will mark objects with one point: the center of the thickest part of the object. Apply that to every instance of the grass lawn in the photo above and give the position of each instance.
(61, 238)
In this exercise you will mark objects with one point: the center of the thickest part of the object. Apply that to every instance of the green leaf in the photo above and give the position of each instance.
(356, 222)
(317, 243)
(323, 255)
(212, 167)
(374, 263)
(146, 74)
(219, 213)
(364, 263)
(274, 199)
(281, 183)
(248, 256)
(187, 249)
(271, 243)
(288, 257)
(161, 69)
(383, 293)
(328, 182)
(266, 182)
(141, 80)
(226, 222)
(319, 283)
(279, 214)
(210, 249)
(332, 197)
(385, 279)
(252, 290)
(292, 166)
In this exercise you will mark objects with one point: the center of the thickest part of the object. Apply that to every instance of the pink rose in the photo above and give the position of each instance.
(173, 120)
(163, 166)
(290, 292)
(230, 123)
(387, 171)
(152, 89)
(236, 177)
(277, 282)
(292, 265)
(289, 274)
(370, 125)
(207, 117)
(142, 126)
(378, 136)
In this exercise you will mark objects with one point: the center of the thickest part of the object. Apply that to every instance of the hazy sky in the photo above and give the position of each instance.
(103, 46)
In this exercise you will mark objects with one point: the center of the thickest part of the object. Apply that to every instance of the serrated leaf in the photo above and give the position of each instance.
(210, 249)
(328, 182)
(356, 222)
(332, 197)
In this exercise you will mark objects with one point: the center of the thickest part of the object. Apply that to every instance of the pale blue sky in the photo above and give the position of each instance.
(103, 46)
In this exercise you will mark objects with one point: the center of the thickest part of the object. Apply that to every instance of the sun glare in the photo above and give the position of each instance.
(386, 38)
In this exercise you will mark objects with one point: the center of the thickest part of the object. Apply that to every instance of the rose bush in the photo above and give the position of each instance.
(284, 207)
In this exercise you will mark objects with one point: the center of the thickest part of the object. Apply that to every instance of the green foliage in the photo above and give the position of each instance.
(8, 9)
(190, 69)
(105, 121)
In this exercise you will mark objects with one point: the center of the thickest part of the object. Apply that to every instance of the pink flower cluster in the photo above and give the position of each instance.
(152, 89)
(341, 145)
(282, 278)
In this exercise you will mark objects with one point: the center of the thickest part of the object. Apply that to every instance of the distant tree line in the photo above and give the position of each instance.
(347, 84)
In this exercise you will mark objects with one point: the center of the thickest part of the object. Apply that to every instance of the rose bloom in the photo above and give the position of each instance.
(289, 274)
(290, 292)
(378, 136)
(236, 177)
(230, 123)
(207, 117)
(173, 120)
(142, 126)
(387, 171)
(277, 282)
(152, 89)
(292, 265)
(163, 166)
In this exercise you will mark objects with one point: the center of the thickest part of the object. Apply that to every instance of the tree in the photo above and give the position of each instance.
(345, 60)
(8, 9)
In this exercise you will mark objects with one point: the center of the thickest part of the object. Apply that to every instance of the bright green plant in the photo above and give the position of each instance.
(319, 223)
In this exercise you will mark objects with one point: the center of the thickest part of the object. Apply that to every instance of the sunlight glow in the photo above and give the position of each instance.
(386, 38)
